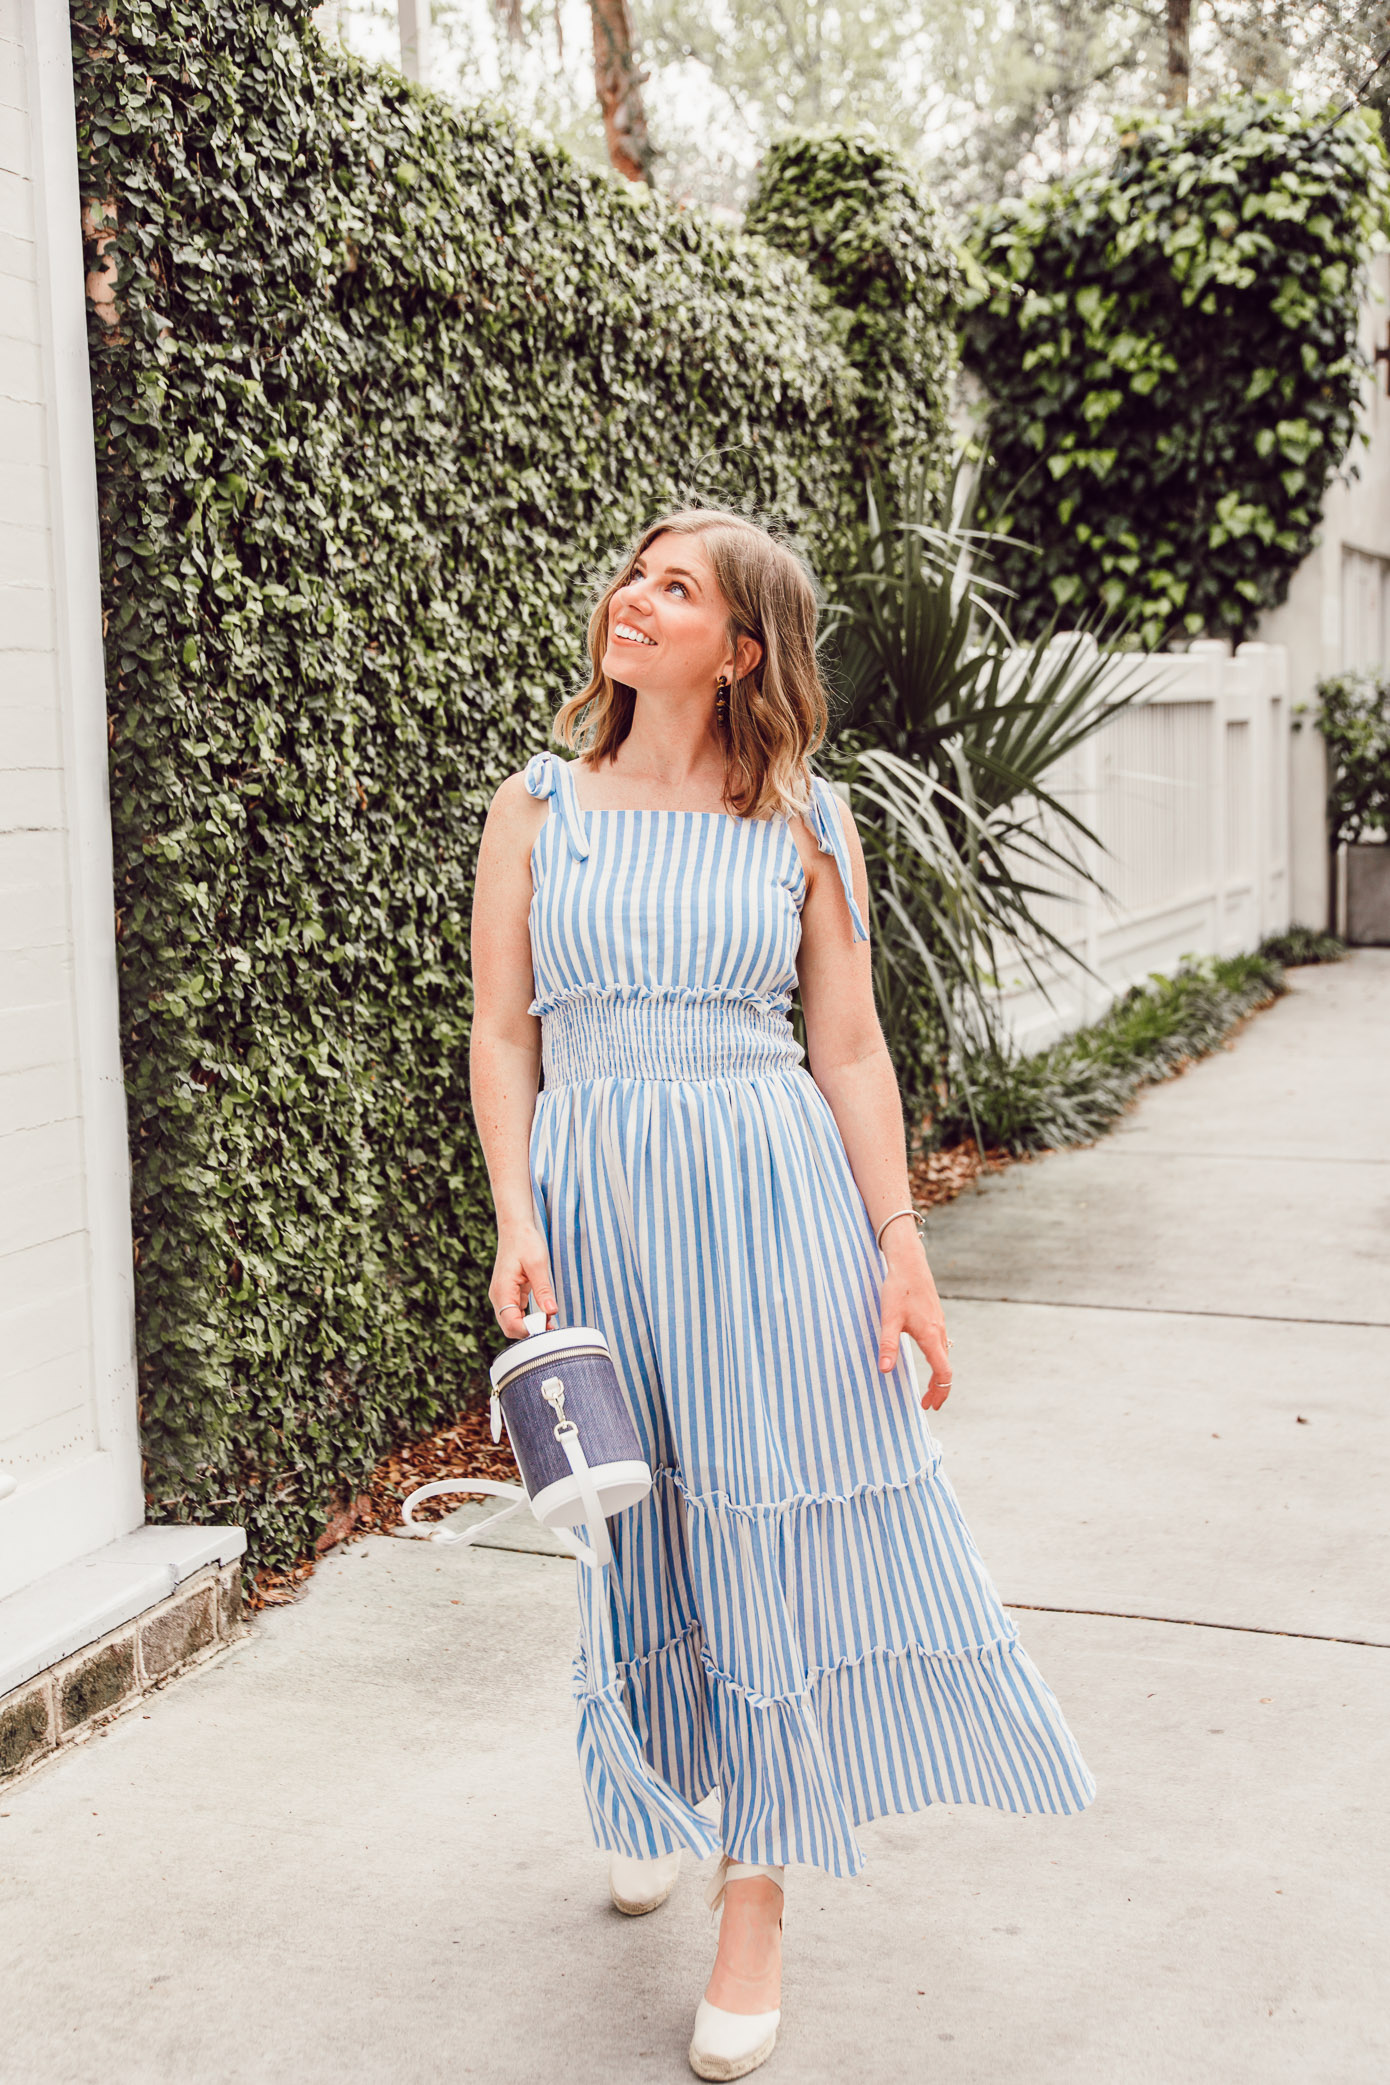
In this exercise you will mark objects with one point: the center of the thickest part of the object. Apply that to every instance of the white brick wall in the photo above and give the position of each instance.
(67, 1416)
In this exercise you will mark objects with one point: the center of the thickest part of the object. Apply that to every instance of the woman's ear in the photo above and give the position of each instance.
(748, 656)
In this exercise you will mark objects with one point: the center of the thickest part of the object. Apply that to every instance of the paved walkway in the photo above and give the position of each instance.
(354, 1850)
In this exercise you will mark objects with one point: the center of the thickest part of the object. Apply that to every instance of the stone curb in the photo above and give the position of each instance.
(84, 1693)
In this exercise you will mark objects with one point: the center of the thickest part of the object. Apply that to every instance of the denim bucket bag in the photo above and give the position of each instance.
(571, 1433)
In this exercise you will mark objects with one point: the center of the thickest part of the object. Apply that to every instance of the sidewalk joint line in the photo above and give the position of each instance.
(1169, 1310)
(1182, 1621)
(1263, 1158)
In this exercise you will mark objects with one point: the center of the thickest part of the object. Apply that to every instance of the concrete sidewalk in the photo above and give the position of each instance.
(354, 1849)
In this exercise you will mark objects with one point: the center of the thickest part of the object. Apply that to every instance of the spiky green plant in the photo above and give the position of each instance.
(948, 740)
(1297, 945)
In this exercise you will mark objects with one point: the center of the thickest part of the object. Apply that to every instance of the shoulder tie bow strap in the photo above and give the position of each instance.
(548, 776)
(830, 833)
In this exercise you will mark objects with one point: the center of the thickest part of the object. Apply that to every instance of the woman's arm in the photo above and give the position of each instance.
(849, 1061)
(504, 1056)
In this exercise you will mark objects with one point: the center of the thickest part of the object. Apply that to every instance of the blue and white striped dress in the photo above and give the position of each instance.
(799, 1617)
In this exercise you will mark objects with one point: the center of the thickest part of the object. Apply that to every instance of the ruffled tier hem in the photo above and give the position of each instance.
(797, 1776)
(825, 1696)
(786, 1587)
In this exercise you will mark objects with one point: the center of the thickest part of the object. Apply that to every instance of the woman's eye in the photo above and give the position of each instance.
(675, 585)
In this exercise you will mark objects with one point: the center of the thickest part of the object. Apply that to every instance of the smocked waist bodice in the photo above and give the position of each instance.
(674, 1035)
(664, 943)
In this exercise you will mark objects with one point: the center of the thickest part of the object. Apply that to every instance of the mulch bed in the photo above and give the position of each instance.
(940, 1176)
(465, 1447)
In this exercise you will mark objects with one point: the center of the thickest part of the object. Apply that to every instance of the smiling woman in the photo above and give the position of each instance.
(801, 1618)
(682, 612)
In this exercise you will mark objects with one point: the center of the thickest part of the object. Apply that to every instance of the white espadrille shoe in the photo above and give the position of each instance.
(730, 2045)
(639, 1886)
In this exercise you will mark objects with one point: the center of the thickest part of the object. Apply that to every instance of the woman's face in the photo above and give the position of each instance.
(668, 627)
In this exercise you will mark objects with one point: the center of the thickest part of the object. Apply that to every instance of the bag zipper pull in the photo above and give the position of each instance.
(496, 1418)
(553, 1391)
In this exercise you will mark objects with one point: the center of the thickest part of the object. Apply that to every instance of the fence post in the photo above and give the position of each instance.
(1214, 652)
(1271, 803)
(1093, 996)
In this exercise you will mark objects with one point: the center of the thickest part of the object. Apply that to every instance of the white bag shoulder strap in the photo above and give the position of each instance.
(598, 1558)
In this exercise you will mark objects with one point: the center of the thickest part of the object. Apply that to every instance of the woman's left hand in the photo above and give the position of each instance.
(909, 1303)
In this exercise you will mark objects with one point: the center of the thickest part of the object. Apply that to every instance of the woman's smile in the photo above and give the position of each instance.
(671, 608)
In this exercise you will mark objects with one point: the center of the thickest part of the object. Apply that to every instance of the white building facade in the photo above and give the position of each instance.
(76, 1563)
(68, 1446)
(1337, 615)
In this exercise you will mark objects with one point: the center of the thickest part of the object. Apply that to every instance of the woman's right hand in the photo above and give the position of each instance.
(521, 1269)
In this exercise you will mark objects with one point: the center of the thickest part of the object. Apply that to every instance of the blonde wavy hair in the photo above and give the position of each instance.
(777, 713)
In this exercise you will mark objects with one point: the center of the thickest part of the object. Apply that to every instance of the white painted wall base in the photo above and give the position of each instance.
(71, 1607)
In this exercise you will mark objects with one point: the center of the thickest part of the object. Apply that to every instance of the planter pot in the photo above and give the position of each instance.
(1368, 894)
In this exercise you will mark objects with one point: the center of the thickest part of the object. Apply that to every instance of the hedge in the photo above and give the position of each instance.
(388, 382)
(1170, 348)
(879, 245)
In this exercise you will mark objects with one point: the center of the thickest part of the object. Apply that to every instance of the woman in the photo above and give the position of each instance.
(801, 1620)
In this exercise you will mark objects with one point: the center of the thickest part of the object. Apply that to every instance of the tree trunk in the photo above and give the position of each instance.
(618, 79)
(1179, 53)
(413, 17)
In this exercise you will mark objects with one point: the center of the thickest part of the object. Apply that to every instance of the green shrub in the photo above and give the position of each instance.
(1300, 945)
(390, 381)
(1354, 719)
(1171, 350)
(1076, 1090)
(877, 242)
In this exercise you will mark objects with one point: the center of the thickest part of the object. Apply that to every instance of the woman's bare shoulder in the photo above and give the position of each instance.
(514, 796)
(514, 820)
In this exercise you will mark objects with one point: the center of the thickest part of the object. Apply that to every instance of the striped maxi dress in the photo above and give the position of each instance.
(798, 1617)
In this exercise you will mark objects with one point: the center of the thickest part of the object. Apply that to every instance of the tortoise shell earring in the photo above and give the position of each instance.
(721, 702)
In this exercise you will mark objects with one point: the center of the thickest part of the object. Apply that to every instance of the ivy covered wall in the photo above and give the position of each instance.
(378, 386)
(1169, 350)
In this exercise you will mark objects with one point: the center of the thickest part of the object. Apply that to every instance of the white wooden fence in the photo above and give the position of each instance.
(1188, 792)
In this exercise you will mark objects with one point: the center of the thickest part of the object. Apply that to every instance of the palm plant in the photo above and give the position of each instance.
(950, 737)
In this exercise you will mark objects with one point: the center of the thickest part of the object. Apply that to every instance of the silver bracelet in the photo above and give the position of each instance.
(915, 1214)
